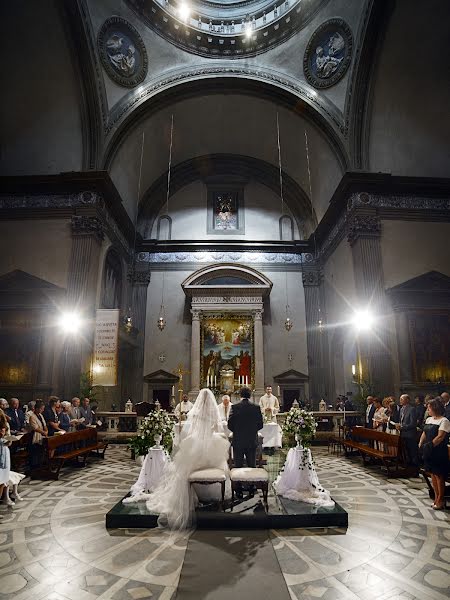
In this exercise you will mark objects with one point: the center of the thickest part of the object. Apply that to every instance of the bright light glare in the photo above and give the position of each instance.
(184, 11)
(248, 30)
(97, 368)
(70, 322)
(363, 320)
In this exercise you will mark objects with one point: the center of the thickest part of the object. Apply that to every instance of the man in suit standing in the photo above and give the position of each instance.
(408, 430)
(245, 421)
(370, 411)
(445, 397)
(16, 415)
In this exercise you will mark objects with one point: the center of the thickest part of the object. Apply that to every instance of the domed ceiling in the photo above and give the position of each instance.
(229, 28)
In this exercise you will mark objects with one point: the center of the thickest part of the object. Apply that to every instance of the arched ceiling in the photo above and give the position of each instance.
(232, 124)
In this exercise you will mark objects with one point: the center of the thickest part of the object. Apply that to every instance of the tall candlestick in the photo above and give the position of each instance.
(173, 390)
(278, 390)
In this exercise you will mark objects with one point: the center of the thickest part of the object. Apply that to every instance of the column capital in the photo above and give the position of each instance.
(258, 314)
(136, 277)
(367, 226)
(196, 314)
(312, 277)
(86, 226)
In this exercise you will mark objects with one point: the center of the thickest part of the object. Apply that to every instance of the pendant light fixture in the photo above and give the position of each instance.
(162, 311)
(288, 324)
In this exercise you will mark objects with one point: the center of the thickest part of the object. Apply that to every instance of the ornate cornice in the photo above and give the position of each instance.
(398, 202)
(19, 201)
(82, 225)
(367, 226)
(226, 299)
(267, 258)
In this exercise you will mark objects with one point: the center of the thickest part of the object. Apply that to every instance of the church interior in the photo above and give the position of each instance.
(233, 196)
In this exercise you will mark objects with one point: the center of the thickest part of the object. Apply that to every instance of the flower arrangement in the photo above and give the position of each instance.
(158, 422)
(300, 423)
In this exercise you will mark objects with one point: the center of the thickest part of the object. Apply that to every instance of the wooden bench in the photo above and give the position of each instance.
(385, 447)
(75, 446)
(19, 453)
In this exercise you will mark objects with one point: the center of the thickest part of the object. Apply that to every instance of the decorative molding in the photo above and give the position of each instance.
(267, 258)
(82, 225)
(258, 315)
(363, 226)
(339, 55)
(122, 52)
(226, 299)
(86, 198)
(398, 202)
(196, 314)
(323, 106)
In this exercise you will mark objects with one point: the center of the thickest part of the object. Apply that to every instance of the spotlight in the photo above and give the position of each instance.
(70, 322)
(248, 30)
(363, 320)
(184, 11)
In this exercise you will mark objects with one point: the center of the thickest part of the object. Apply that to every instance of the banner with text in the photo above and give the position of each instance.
(106, 347)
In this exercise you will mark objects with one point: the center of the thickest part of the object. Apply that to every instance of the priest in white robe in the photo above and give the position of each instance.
(183, 407)
(269, 405)
(224, 412)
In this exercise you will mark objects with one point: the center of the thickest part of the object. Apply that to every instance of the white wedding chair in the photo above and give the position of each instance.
(208, 477)
(258, 477)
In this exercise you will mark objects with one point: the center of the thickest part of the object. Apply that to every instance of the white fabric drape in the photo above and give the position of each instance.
(299, 481)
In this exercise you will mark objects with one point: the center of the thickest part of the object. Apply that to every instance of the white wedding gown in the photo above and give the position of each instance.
(206, 446)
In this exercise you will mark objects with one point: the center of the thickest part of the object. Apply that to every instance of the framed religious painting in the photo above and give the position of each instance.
(226, 209)
(227, 355)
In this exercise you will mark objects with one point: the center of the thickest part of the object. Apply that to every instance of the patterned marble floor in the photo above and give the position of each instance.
(54, 544)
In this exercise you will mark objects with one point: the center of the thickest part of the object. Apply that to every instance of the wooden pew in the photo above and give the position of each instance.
(386, 447)
(75, 446)
(19, 453)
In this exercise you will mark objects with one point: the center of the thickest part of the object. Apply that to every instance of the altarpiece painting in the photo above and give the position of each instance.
(227, 346)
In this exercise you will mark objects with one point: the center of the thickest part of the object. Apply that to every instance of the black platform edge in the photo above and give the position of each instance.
(117, 519)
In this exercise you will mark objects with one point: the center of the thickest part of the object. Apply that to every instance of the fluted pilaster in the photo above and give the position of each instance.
(195, 352)
(316, 337)
(364, 233)
(259, 352)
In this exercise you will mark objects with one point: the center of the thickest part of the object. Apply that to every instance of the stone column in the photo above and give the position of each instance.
(404, 348)
(139, 280)
(316, 337)
(258, 342)
(87, 235)
(364, 235)
(195, 352)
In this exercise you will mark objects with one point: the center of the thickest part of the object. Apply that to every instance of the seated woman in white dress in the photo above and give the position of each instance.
(205, 447)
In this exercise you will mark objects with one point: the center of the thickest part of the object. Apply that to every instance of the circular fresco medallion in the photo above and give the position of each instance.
(328, 53)
(122, 52)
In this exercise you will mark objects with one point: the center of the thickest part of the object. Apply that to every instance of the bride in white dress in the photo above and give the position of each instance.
(206, 446)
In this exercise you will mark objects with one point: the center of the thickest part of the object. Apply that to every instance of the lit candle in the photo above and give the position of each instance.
(278, 390)
(173, 390)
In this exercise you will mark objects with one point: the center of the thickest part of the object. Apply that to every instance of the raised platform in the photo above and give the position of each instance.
(246, 514)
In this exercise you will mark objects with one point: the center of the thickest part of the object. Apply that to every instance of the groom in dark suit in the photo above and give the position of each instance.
(245, 421)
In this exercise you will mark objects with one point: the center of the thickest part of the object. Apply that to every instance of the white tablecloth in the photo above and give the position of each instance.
(150, 475)
(298, 480)
(271, 432)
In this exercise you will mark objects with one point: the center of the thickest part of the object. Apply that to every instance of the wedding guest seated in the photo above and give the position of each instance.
(30, 409)
(434, 441)
(65, 422)
(51, 415)
(39, 428)
(16, 415)
(87, 413)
